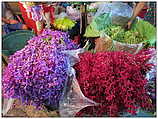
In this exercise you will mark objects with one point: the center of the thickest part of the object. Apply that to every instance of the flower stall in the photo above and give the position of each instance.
(78, 59)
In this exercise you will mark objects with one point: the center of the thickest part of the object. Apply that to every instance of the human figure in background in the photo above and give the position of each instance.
(150, 16)
(11, 22)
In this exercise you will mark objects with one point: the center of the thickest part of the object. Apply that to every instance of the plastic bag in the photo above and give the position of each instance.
(152, 73)
(61, 15)
(120, 20)
(73, 99)
(6, 105)
(104, 43)
(73, 55)
(73, 13)
(98, 24)
(147, 30)
(102, 21)
(131, 48)
(151, 77)
(91, 32)
(115, 8)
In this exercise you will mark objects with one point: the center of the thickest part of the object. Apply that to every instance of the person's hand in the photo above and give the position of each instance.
(128, 25)
(9, 21)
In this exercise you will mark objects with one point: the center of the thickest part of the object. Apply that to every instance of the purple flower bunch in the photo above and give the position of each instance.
(37, 73)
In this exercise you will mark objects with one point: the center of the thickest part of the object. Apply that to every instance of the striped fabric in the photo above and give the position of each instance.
(151, 14)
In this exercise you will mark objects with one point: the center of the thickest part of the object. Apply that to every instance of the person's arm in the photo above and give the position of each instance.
(9, 21)
(136, 11)
(5, 20)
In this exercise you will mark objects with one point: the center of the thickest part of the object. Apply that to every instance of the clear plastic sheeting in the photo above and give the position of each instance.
(73, 99)
(6, 105)
(104, 43)
(151, 76)
(73, 55)
(131, 48)
(98, 25)
(115, 8)
(61, 15)
(120, 20)
(152, 73)
(73, 13)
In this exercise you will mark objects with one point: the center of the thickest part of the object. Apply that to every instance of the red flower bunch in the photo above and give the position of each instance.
(115, 80)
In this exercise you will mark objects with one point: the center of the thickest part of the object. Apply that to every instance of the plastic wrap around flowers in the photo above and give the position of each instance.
(36, 74)
(64, 23)
(151, 74)
(116, 80)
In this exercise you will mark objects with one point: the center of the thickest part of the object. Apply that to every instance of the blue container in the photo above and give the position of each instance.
(15, 41)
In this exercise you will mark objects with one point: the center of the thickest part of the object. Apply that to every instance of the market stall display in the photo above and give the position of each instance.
(122, 40)
(78, 59)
